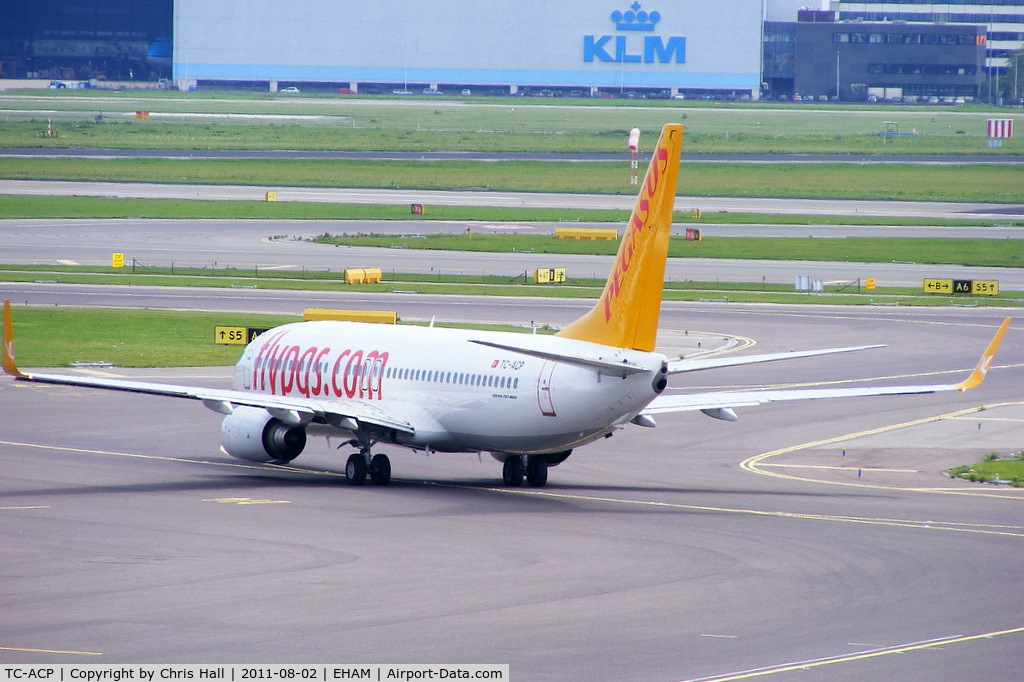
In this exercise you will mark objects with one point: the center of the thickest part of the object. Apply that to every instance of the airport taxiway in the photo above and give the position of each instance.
(699, 550)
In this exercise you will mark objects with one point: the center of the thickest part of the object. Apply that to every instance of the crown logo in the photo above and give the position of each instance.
(635, 19)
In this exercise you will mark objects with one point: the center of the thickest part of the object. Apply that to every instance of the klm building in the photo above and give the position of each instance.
(578, 46)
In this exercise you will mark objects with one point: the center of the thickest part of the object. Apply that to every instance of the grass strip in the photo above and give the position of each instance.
(501, 124)
(181, 209)
(22, 207)
(954, 182)
(51, 337)
(59, 337)
(850, 293)
(992, 469)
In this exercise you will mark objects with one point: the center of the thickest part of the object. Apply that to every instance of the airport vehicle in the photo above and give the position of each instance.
(529, 400)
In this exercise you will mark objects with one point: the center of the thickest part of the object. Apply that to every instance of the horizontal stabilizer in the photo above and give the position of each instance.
(611, 366)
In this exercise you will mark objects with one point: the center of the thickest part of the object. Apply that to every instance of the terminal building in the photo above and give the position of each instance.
(1003, 20)
(820, 58)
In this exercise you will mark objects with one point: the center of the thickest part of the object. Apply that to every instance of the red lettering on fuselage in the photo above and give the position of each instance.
(351, 379)
(264, 361)
(283, 369)
(319, 387)
(338, 390)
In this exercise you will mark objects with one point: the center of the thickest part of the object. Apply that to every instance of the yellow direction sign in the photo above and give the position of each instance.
(985, 287)
(973, 287)
(237, 336)
(548, 275)
(117, 260)
(938, 286)
(231, 335)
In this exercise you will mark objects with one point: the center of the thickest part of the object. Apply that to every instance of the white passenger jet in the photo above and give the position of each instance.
(526, 400)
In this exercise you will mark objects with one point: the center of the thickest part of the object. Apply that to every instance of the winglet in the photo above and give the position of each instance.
(985, 363)
(626, 316)
(10, 366)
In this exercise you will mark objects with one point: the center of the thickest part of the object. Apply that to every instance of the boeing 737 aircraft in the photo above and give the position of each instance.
(527, 400)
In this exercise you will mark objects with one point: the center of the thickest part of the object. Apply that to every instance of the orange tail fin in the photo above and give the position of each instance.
(626, 316)
(9, 365)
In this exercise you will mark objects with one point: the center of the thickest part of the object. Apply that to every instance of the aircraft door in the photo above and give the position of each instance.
(547, 407)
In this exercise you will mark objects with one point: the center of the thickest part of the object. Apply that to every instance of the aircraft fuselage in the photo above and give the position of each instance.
(458, 394)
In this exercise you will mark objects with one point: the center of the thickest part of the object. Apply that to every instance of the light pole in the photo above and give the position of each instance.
(837, 76)
(1016, 75)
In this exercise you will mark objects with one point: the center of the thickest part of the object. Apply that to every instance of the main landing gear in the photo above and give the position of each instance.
(534, 469)
(361, 463)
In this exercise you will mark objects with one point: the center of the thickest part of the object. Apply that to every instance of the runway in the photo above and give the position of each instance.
(818, 537)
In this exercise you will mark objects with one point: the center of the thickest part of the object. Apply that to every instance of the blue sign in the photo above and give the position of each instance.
(630, 48)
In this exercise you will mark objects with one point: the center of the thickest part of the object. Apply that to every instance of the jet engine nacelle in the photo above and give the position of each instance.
(252, 433)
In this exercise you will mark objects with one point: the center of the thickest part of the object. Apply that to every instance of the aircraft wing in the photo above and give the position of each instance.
(726, 400)
(296, 411)
(719, 404)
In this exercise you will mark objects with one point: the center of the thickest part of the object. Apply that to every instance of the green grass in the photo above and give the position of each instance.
(181, 209)
(967, 182)
(991, 469)
(50, 337)
(54, 337)
(491, 124)
(186, 209)
(520, 284)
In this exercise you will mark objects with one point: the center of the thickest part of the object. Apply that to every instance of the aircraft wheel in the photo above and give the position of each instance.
(513, 470)
(537, 472)
(380, 470)
(355, 469)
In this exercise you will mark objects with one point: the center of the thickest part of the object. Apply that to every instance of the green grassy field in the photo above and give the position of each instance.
(50, 337)
(54, 337)
(990, 469)
(578, 285)
(101, 207)
(960, 182)
(484, 124)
